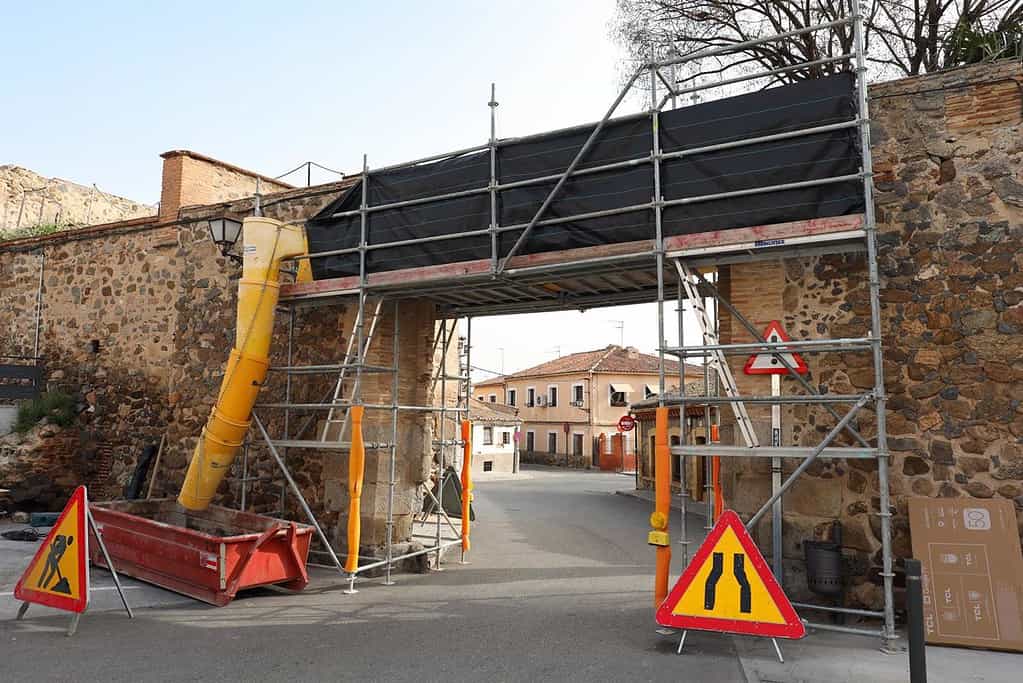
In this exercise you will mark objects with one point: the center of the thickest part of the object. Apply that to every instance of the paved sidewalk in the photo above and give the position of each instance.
(840, 658)
(695, 507)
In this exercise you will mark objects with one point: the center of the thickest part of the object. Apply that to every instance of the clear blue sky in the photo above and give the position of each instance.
(95, 91)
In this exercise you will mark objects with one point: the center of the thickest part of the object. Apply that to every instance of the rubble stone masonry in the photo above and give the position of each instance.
(948, 162)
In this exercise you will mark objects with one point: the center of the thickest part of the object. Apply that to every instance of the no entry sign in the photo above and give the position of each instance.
(626, 423)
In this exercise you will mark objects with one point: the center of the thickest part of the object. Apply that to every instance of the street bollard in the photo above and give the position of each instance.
(915, 617)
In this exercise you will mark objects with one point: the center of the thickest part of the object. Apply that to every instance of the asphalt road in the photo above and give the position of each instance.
(559, 588)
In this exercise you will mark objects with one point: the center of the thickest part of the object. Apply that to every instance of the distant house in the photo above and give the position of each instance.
(696, 434)
(570, 406)
(495, 428)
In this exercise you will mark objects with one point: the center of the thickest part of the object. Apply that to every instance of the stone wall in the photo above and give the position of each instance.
(105, 326)
(948, 154)
(42, 467)
(40, 200)
(160, 300)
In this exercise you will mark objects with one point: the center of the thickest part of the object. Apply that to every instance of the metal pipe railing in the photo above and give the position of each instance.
(844, 344)
(763, 74)
(739, 47)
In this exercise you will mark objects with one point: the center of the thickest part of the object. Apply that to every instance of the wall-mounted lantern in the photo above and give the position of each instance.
(224, 232)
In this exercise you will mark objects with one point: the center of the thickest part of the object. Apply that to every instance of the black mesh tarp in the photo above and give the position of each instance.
(792, 107)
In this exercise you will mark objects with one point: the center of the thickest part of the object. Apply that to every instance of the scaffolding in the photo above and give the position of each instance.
(607, 275)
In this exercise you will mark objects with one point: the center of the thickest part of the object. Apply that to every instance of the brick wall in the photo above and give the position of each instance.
(190, 178)
(949, 176)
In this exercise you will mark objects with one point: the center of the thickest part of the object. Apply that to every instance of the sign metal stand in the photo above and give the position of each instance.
(767, 363)
(48, 563)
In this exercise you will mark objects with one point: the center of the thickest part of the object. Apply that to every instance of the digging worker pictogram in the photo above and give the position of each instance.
(58, 547)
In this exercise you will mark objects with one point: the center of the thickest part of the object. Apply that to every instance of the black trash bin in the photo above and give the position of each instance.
(824, 574)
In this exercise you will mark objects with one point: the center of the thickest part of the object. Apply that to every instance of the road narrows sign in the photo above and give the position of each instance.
(58, 575)
(766, 363)
(728, 587)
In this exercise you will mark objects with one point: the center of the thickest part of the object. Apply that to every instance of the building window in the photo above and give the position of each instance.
(479, 398)
(577, 444)
(493, 398)
(577, 395)
(488, 465)
(511, 397)
(488, 436)
(530, 397)
(505, 438)
(530, 441)
(552, 442)
(619, 394)
(649, 391)
(552, 396)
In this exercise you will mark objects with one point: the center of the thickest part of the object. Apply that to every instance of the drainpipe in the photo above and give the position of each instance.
(39, 304)
(267, 242)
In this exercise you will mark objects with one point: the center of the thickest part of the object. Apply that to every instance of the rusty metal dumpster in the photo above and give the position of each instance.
(209, 555)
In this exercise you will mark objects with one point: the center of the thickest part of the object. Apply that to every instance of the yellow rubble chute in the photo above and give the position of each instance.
(266, 243)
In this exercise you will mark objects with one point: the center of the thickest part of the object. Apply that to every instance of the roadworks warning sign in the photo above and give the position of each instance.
(766, 363)
(58, 575)
(728, 587)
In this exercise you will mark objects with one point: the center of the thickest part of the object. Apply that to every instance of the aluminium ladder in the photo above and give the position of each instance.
(717, 361)
(338, 402)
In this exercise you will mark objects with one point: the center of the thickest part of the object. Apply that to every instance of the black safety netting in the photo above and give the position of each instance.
(788, 108)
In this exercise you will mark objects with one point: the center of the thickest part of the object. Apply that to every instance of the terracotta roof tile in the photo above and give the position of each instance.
(492, 412)
(611, 359)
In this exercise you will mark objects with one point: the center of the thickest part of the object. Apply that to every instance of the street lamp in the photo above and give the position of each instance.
(224, 232)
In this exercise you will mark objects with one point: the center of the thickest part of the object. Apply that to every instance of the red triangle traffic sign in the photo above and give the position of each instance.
(58, 575)
(767, 363)
(729, 588)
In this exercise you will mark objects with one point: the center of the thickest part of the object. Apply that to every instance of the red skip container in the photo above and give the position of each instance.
(208, 555)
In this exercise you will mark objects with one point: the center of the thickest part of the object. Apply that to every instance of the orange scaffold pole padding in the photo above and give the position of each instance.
(715, 469)
(715, 473)
(356, 472)
(662, 505)
(466, 482)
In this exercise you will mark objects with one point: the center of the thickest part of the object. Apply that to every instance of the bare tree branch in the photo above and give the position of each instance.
(902, 37)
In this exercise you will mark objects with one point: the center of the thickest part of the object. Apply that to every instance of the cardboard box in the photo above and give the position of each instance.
(972, 571)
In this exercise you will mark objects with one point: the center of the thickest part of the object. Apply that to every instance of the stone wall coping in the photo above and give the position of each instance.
(83, 233)
(960, 76)
(187, 214)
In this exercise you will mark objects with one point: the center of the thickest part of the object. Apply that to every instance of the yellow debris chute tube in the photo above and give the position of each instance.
(266, 243)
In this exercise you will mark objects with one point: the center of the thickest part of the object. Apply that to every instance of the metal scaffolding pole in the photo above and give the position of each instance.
(870, 226)
(708, 462)
(393, 451)
(493, 178)
(441, 450)
(287, 398)
(682, 436)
